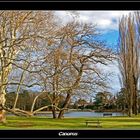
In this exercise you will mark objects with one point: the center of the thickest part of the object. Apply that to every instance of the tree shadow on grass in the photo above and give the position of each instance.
(19, 124)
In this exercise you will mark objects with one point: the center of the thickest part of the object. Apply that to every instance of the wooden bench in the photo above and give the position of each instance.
(107, 114)
(96, 122)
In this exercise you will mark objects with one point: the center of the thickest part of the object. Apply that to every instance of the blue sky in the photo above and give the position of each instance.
(106, 22)
(111, 38)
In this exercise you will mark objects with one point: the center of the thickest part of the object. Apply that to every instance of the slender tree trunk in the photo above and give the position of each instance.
(135, 102)
(56, 80)
(130, 105)
(65, 105)
(137, 107)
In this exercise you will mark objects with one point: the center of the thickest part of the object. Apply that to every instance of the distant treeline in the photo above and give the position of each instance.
(103, 101)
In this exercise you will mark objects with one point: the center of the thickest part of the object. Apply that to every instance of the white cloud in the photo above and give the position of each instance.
(112, 69)
(114, 78)
(105, 20)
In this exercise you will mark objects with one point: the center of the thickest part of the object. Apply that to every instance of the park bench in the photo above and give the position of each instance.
(97, 123)
(107, 114)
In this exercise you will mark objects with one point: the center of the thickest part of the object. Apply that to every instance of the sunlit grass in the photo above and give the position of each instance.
(14, 122)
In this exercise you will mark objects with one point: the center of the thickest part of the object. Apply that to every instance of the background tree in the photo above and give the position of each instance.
(102, 100)
(121, 101)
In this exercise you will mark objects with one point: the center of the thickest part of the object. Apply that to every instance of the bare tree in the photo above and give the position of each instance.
(129, 59)
(62, 59)
(20, 31)
(73, 57)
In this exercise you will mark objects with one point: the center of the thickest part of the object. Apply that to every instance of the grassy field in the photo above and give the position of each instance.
(14, 122)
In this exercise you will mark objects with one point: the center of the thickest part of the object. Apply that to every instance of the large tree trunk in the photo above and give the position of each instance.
(65, 105)
(130, 112)
(54, 112)
(2, 111)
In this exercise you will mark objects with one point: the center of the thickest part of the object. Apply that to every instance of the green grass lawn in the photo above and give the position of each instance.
(14, 122)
